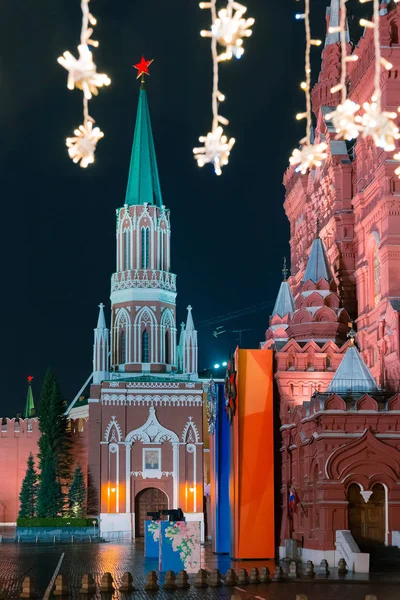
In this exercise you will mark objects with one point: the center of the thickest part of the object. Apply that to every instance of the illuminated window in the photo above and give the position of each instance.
(145, 346)
(145, 247)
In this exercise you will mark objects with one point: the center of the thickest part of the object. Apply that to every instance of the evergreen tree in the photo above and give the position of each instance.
(50, 497)
(28, 494)
(54, 442)
(77, 494)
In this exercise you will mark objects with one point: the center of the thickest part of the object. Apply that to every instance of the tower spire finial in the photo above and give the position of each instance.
(285, 270)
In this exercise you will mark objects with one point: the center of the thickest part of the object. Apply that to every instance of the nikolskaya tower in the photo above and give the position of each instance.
(145, 406)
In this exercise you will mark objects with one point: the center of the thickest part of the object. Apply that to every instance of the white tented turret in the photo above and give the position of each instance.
(100, 349)
(190, 346)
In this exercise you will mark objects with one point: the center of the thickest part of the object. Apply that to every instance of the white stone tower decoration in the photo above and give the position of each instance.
(100, 349)
(189, 350)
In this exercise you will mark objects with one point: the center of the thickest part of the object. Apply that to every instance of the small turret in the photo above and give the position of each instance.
(100, 349)
(190, 346)
(283, 310)
(30, 405)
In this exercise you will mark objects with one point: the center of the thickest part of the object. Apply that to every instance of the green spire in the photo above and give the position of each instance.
(143, 182)
(30, 405)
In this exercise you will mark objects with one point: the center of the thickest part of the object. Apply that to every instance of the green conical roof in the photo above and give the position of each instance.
(30, 405)
(143, 182)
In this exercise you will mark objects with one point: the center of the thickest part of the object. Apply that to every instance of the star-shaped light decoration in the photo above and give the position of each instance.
(81, 148)
(216, 150)
(143, 67)
(230, 28)
(379, 125)
(308, 156)
(82, 72)
(344, 120)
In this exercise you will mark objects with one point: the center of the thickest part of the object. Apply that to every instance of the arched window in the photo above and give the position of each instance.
(127, 247)
(328, 362)
(167, 358)
(145, 247)
(122, 348)
(377, 276)
(162, 250)
(145, 346)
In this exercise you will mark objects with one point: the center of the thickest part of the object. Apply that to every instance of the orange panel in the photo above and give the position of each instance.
(253, 457)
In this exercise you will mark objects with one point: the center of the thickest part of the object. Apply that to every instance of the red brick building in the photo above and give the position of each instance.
(339, 402)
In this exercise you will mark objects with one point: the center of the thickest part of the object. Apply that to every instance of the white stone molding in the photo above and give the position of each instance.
(152, 431)
(113, 432)
(149, 400)
(114, 449)
(191, 449)
(191, 433)
(366, 496)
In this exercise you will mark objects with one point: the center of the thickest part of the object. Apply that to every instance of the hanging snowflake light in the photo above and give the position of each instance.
(344, 117)
(82, 72)
(308, 156)
(81, 148)
(376, 123)
(344, 120)
(379, 125)
(216, 150)
(230, 28)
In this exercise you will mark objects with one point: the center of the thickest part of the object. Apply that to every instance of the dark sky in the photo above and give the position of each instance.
(57, 241)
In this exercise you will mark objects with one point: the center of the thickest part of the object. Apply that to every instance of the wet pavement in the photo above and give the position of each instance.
(41, 560)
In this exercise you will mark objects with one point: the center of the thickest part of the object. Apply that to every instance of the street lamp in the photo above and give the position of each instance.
(216, 366)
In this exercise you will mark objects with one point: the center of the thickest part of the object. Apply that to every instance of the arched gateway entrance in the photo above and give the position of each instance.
(148, 500)
(367, 519)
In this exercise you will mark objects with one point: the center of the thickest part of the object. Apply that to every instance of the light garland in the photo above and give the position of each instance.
(82, 75)
(344, 117)
(377, 123)
(309, 155)
(228, 30)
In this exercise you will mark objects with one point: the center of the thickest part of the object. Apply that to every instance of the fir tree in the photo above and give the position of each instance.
(50, 497)
(54, 441)
(28, 494)
(77, 494)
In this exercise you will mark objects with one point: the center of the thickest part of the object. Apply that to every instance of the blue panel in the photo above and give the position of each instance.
(222, 472)
(151, 539)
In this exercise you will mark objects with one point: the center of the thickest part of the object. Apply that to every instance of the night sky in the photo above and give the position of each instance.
(57, 241)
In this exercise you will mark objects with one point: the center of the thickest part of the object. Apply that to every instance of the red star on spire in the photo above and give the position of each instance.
(143, 67)
(29, 378)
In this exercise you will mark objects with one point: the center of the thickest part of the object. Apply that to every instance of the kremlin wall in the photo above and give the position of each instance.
(304, 434)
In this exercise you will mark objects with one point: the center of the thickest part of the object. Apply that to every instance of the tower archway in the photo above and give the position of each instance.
(148, 500)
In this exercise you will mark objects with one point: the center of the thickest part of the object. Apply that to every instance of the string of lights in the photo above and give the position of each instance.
(344, 117)
(82, 74)
(309, 155)
(228, 29)
(374, 122)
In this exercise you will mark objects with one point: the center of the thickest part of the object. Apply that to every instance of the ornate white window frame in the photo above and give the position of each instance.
(151, 473)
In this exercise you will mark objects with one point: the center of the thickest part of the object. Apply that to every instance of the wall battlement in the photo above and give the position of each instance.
(18, 427)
